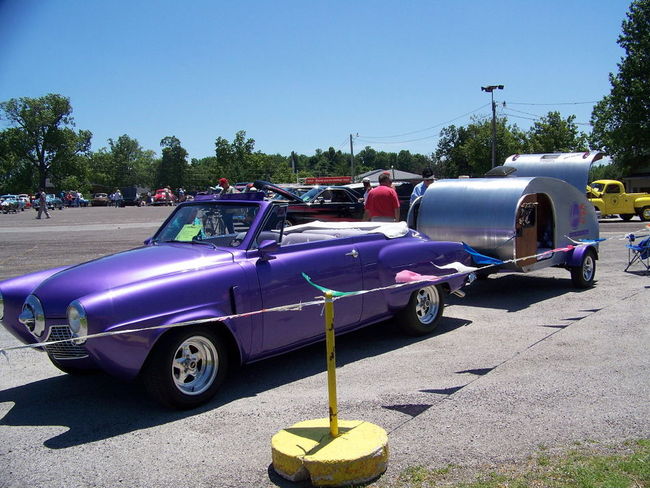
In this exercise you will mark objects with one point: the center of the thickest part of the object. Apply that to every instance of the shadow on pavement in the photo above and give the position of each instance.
(96, 407)
(514, 292)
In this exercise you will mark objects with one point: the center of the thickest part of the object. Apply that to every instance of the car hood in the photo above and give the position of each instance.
(124, 268)
(265, 185)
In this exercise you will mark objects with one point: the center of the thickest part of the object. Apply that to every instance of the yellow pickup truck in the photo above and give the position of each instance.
(610, 198)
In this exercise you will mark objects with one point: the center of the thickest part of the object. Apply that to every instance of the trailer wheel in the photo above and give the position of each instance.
(423, 311)
(626, 217)
(644, 214)
(583, 276)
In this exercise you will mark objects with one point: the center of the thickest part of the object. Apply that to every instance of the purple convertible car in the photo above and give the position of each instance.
(214, 258)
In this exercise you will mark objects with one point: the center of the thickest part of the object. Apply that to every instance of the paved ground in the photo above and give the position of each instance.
(521, 361)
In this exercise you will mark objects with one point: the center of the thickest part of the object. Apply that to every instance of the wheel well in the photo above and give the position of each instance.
(234, 353)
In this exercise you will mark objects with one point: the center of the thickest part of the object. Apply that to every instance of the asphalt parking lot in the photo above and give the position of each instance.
(522, 361)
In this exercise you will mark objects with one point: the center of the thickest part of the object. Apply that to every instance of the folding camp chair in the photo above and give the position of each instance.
(639, 253)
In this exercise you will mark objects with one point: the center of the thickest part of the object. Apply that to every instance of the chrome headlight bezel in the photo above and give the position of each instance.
(33, 316)
(77, 321)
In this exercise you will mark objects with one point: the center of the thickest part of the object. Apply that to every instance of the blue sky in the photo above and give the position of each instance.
(301, 75)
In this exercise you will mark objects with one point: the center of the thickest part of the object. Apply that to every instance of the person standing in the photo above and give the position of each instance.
(225, 187)
(420, 188)
(382, 204)
(226, 215)
(366, 188)
(42, 204)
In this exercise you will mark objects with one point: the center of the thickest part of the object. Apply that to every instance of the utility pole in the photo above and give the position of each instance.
(490, 89)
(351, 159)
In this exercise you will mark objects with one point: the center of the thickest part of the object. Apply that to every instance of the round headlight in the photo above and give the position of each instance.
(32, 316)
(78, 321)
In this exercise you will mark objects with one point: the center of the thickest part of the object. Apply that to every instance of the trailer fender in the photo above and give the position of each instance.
(575, 257)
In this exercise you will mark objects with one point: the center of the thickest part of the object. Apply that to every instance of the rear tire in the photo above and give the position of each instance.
(186, 367)
(583, 276)
(423, 311)
(644, 214)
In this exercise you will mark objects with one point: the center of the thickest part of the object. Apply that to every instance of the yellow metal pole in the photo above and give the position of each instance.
(331, 364)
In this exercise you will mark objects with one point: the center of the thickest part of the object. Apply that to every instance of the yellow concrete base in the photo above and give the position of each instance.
(306, 450)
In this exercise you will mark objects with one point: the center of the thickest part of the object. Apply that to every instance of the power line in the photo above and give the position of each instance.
(362, 139)
(427, 128)
(537, 117)
(558, 103)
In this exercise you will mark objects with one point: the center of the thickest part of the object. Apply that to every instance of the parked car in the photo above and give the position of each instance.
(609, 197)
(83, 202)
(192, 279)
(10, 203)
(329, 203)
(164, 196)
(25, 199)
(100, 200)
(51, 200)
(130, 196)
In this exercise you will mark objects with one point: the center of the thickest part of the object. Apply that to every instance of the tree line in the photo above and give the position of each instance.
(41, 141)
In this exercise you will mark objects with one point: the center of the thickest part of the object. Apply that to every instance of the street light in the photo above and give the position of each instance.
(490, 89)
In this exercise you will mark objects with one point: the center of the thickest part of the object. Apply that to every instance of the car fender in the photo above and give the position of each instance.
(124, 355)
(194, 296)
(420, 256)
(14, 292)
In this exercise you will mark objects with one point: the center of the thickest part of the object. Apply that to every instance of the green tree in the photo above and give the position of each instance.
(131, 165)
(42, 135)
(234, 158)
(621, 120)
(203, 173)
(173, 164)
(554, 134)
(468, 150)
(15, 173)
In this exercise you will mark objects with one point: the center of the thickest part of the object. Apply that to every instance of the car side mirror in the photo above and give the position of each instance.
(147, 241)
(266, 248)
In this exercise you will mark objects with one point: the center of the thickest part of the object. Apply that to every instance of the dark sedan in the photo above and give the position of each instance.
(328, 203)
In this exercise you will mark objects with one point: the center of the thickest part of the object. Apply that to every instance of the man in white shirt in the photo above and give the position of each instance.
(420, 188)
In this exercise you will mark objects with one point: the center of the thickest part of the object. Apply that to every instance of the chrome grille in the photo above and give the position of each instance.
(64, 350)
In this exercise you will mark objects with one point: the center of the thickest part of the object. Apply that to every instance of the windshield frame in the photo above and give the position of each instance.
(178, 222)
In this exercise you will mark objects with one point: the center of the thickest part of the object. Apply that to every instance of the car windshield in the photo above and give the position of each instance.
(214, 223)
(598, 186)
(311, 194)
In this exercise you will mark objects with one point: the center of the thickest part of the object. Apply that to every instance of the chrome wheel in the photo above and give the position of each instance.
(427, 304)
(195, 365)
(588, 268)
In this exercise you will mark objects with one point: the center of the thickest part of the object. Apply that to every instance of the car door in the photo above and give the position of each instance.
(334, 264)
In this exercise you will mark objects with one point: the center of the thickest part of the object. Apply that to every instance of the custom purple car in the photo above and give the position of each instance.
(211, 263)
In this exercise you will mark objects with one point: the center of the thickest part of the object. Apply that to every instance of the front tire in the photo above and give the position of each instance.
(423, 311)
(186, 368)
(626, 217)
(583, 276)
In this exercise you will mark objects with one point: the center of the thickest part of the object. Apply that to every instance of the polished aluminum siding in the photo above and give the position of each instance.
(482, 212)
(570, 167)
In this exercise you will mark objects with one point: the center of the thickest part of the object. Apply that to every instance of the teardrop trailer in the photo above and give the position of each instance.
(529, 214)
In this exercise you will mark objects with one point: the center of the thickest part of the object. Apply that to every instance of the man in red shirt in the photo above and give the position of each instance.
(382, 204)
